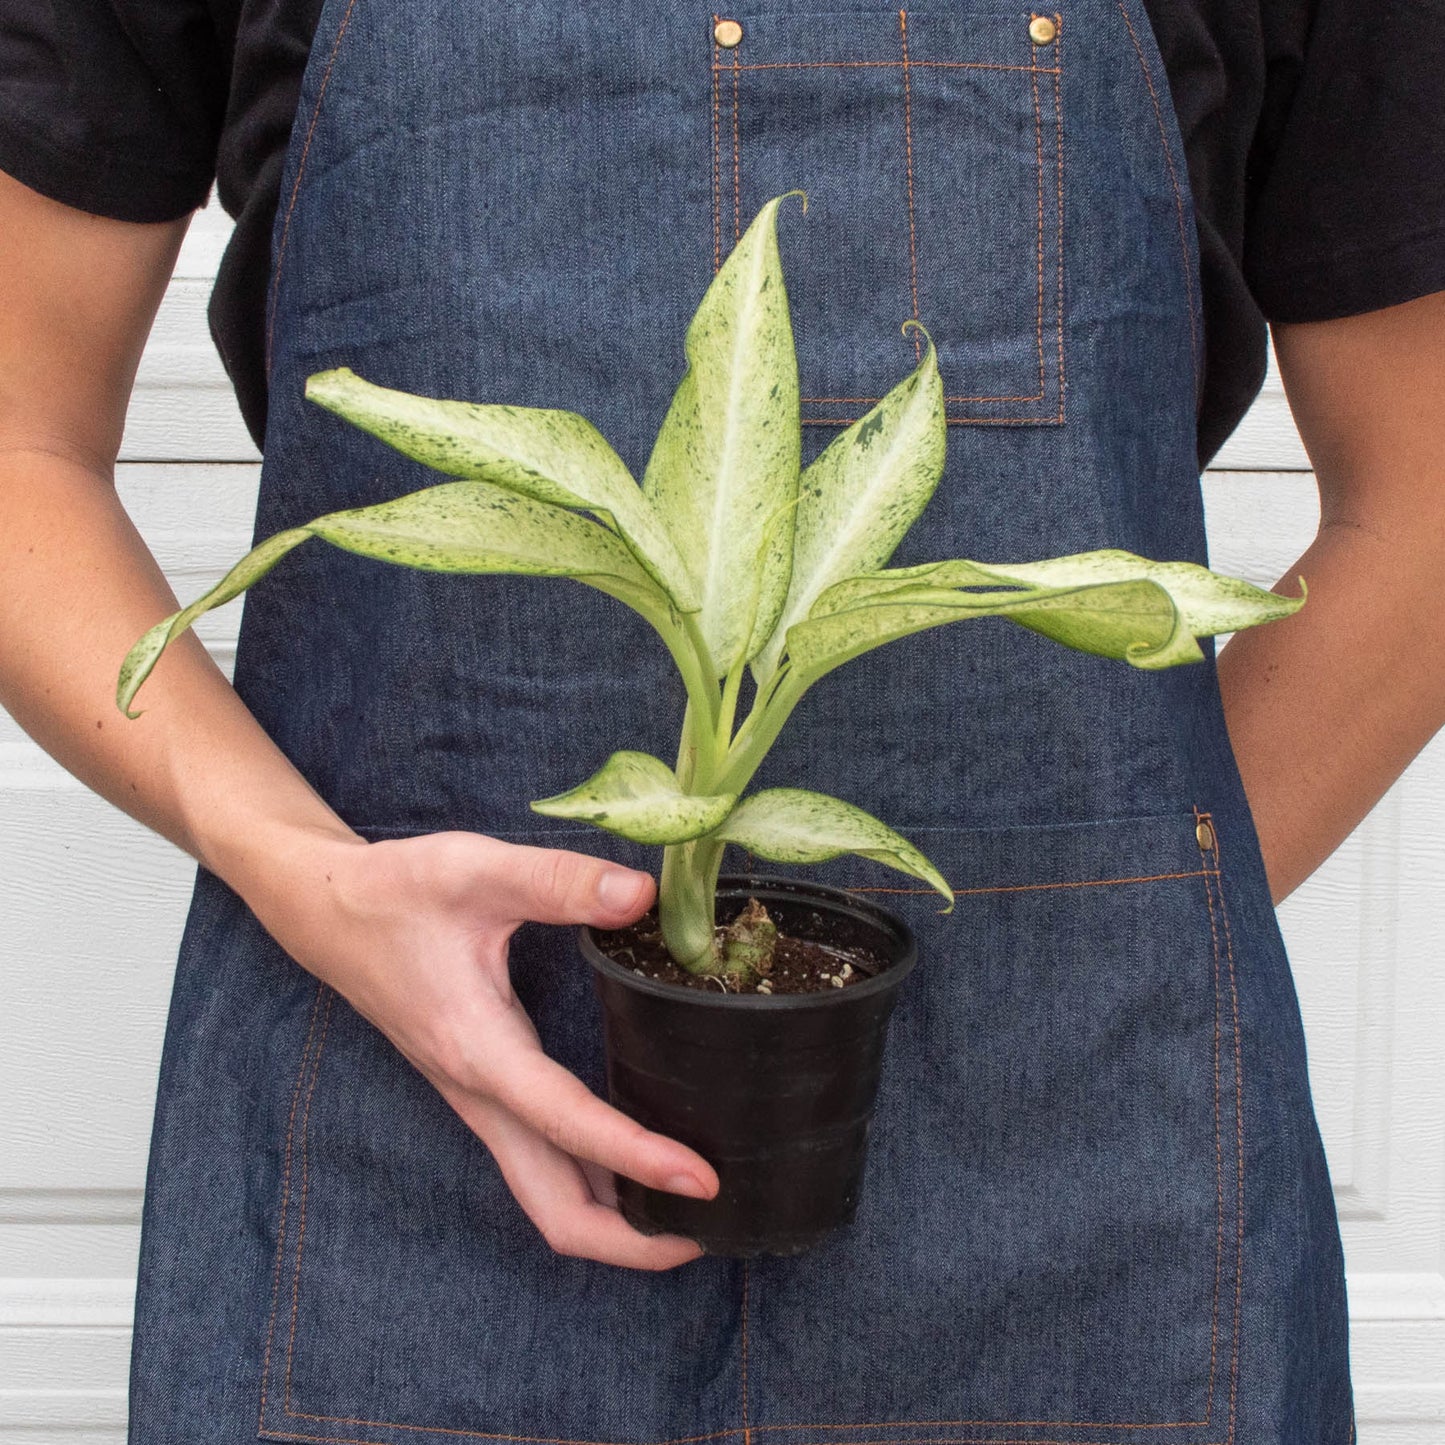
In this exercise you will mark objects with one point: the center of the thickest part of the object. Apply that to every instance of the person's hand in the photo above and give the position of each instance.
(414, 933)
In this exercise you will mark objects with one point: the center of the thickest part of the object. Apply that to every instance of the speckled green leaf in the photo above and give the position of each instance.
(455, 527)
(637, 796)
(856, 501)
(872, 587)
(478, 527)
(551, 456)
(791, 825)
(1123, 620)
(1111, 603)
(1208, 602)
(724, 471)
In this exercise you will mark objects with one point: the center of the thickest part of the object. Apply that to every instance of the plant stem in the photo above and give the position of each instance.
(728, 710)
(689, 652)
(686, 767)
(686, 903)
(758, 734)
(687, 897)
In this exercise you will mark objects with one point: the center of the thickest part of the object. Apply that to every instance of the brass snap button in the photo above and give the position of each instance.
(727, 33)
(1205, 834)
(1042, 30)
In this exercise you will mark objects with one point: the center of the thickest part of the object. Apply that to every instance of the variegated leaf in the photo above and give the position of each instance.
(637, 796)
(1208, 602)
(454, 527)
(856, 501)
(724, 472)
(1129, 620)
(792, 825)
(550, 456)
(1111, 603)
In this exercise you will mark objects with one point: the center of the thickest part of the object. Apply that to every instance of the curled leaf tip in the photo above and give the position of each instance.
(800, 193)
(914, 324)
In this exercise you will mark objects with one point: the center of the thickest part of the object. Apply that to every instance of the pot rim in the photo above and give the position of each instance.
(818, 895)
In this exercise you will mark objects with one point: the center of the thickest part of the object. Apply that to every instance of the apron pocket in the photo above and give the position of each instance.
(931, 148)
(1048, 1242)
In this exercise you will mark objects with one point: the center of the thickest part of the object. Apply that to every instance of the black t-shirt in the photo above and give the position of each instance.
(1313, 130)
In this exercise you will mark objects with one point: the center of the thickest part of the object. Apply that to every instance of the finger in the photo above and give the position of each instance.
(555, 1103)
(554, 1193)
(553, 885)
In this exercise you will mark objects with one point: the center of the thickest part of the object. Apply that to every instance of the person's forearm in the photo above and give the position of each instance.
(80, 588)
(1327, 708)
(77, 297)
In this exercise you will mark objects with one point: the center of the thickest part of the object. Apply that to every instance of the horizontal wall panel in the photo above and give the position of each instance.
(92, 919)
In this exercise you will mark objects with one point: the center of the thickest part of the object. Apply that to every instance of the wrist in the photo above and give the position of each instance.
(279, 862)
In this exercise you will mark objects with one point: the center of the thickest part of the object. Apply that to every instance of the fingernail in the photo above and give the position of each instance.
(618, 890)
(688, 1184)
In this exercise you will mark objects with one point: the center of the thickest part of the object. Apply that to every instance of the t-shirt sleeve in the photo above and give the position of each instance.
(111, 106)
(1347, 209)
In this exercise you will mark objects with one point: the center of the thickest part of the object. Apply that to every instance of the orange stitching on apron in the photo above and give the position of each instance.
(296, 186)
(865, 399)
(890, 65)
(539, 1440)
(1039, 244)
(1039, 887)
(1059, 181)
(737, 162)
(908, 152)
(716, 163)
(747, 1433)
(1173, 181)
(1218, 1146)
(305, 1190)
(747, 1430)
(952, 1440)
(285, 1200)
(1239, 1137)
(475, 1434)
(1238, 1110)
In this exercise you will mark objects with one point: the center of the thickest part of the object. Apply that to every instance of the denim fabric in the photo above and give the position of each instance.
(1096, 1202)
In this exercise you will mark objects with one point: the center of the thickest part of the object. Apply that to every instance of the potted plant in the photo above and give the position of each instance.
(760, 578)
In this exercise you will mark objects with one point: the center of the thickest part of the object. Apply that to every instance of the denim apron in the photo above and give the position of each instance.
(1096, 1208)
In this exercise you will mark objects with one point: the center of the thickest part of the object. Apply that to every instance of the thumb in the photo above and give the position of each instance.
(553, 885)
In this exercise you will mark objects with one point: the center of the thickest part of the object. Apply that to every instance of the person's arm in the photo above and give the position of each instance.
(1327, 708)
(413, 933)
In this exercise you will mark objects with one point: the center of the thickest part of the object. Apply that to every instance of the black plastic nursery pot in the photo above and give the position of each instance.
(775, 1092)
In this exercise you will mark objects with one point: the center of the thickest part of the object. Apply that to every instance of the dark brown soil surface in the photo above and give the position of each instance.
(798, 965)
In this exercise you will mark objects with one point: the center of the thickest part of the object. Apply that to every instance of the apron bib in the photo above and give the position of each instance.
(1096, 1209)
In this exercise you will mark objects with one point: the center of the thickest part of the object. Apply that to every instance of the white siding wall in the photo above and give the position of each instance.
(91, 910)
